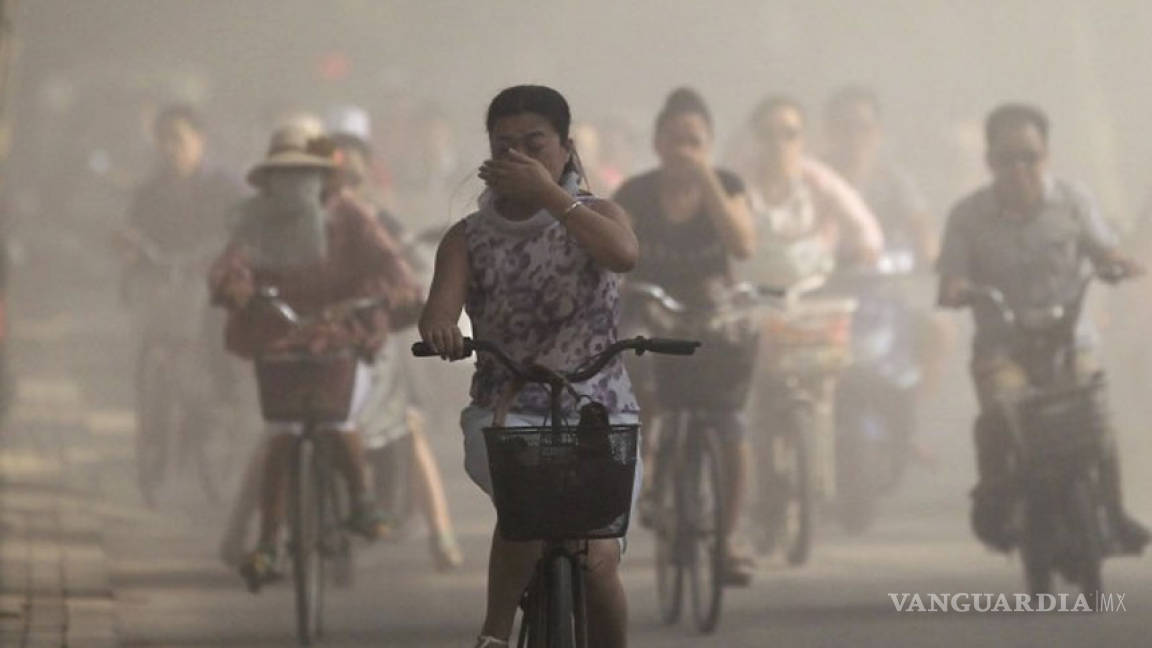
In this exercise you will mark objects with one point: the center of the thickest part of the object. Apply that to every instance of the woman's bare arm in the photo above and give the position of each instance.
(446, 296)
(730, 214)
(602, 228)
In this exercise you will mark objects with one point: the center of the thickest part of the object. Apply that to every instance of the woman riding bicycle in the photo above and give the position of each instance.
(536, 270)
(692, 220)
(318, 249)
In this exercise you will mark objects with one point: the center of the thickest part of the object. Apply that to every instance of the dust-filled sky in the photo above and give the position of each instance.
(938, 66)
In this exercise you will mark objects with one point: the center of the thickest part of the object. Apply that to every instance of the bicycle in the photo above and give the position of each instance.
(807, 346)
(1060, 438)
(876, 394)
(562, 484)
(312, 391)
(687, 507)
(176, 402)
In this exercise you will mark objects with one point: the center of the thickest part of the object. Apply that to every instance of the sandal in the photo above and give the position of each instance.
(738, 570)
(368, 522)
(484, 641)
(445, 553)
(259, 569)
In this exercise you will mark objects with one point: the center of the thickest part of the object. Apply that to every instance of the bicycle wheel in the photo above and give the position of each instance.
(336, 545)
(772, 497)
(1085, 521)
(534, 604)
(704, 508)
(154, 420)
(800, 510)
(307, 517)
(211, 441)
(579, 605)
(1037, 548)
(667, 524)
(561, 629)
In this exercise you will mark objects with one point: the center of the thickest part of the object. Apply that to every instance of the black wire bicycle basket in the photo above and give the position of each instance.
(566, 484)
(301, 386)
(1061, 429)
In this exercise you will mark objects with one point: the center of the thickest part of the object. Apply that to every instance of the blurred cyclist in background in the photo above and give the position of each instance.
(1029, 235)
(177, 223)
(692, 220)
(899, 349)
(318, 247)
(392, 423)
(182, 209)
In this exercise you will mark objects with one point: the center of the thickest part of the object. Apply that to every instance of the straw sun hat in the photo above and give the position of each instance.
(292, 147)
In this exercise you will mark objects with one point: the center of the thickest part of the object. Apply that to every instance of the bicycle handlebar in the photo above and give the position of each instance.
(593, 366)
(996, 299)
(339, 310)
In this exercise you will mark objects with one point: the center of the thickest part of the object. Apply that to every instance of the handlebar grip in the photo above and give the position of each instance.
(671, 346)
(1112, 273)
(424, 350)
(775, 292)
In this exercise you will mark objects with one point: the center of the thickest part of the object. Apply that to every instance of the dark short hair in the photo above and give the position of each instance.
(771, 104)
(848, 96)
(1014, 115)
(683, 101)
(178, 112)
(535, 99)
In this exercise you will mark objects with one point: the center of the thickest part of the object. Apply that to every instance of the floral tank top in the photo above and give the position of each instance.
(539, 296)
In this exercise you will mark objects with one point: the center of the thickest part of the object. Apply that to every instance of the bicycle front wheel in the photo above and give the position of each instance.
(155, 417)
(704, 508)
(308, 512)
(801, 510)
(561, 629)
(667, 523)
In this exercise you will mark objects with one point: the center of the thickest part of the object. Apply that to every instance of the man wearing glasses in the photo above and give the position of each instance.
(1028, 235)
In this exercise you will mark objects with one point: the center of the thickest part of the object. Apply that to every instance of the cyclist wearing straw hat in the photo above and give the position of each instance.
(317, 250)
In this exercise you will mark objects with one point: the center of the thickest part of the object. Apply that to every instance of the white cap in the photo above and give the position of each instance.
(350, 120)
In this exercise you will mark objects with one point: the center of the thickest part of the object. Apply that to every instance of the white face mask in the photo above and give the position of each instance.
(292, 219)
(294, 191)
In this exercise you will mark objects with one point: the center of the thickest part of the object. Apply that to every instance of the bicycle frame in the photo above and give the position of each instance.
(1059, 451)
(688, 452)
(554, 602)
(313, 485)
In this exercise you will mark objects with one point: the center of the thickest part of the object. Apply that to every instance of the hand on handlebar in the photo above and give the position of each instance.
(444, 337)
(1119, 268)
(238, 286)
(317, 338)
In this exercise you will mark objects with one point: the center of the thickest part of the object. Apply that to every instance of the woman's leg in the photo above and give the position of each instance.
(274, 488)
(510, 566)
(431, 492)
(246, 504)
(350, 460)
(607, 604)
(737, 459)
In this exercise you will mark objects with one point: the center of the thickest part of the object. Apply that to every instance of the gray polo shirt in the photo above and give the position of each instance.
(1035, 262)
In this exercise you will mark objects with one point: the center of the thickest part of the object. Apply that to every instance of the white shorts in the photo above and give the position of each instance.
(474, 419)
(383, 417)
(360, 388)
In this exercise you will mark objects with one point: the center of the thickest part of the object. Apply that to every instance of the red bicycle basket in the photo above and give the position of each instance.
(305, 387)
